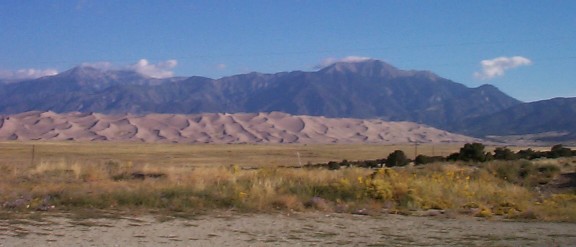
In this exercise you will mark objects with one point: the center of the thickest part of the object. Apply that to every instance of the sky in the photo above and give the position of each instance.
(526, 48)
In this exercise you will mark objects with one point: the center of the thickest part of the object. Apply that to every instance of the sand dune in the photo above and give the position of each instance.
(272, 127)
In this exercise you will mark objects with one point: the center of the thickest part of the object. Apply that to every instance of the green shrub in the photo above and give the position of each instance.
(424, 159)
(523, 173)
(333, 165)
(501, 153)
(529, 154)
(558, 151)
(472, 152)
(397, 158)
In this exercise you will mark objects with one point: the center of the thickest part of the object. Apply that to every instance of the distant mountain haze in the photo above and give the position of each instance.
(369, 89)
(555, 117)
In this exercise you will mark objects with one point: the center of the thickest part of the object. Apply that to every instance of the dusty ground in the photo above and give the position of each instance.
(302, 229)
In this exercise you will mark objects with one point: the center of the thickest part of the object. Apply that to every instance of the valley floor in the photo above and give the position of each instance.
(301, 229)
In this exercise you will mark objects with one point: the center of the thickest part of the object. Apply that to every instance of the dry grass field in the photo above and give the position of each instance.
(87, 181)
(205, 154)
(177, 178)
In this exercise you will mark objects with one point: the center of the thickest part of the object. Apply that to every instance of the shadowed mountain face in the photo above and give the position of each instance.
(368, 89)
(557, 117)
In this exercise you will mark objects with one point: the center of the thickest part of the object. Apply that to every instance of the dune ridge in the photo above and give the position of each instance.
(275, 127)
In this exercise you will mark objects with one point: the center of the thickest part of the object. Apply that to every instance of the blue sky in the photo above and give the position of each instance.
(528, 47)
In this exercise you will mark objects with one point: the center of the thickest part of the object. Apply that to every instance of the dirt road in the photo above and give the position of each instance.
(301, 229)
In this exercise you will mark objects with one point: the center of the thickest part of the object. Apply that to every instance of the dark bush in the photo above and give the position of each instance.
(529, 154)
(333, 165)
(488, 157)
(558, 151)
(397, 158)
(503, 153)
(345, 163)
(472, 152)
(453, 157)
(424, 159)
(370, 163)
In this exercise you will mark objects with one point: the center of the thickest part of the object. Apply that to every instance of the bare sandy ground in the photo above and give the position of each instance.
(302, 229)
(272, 127)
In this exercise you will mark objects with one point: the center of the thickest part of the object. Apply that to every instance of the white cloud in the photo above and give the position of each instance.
(161, 69)
(25, 74)
(496, 67)
(348, 59)
(158, 70)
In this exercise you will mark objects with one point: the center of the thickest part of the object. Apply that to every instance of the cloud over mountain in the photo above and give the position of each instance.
(496, 67)
(349, 59)
(159, 70)
(24, 74)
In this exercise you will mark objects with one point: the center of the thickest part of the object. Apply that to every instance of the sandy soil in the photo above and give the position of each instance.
(272, 127)
(302, 229)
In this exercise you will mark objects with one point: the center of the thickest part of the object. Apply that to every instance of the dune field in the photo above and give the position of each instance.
(266, 128)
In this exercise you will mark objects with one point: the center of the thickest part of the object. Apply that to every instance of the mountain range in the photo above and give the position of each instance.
(369, 89)
(552, 120)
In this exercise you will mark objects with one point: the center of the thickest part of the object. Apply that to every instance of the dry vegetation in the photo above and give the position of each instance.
(191, 179)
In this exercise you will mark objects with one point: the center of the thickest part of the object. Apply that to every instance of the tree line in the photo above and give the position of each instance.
(470, 152)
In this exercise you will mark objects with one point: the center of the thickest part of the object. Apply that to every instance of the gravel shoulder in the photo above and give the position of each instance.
(300, 229)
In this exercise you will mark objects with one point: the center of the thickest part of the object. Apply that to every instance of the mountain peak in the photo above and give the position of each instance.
(366, 68)
(99, 78)
(355, 65)
(81, 71)
(87, 71)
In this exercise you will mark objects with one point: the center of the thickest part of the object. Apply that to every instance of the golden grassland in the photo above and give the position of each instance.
(255, 155)
(190, 179)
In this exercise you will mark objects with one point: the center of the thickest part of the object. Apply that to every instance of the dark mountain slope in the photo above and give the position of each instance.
(553, 115)
(375, 89)
(368, 89)
(74, 90)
